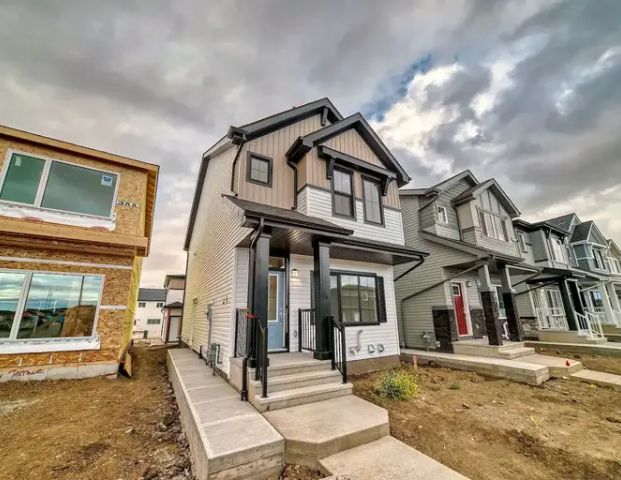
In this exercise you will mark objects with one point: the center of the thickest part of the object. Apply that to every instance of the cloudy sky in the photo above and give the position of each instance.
(527, 92)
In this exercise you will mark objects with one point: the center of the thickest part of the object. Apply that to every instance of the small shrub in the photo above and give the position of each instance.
(397, 385)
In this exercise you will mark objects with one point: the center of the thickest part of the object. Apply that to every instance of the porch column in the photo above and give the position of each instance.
(614, 301)
(493, 325)
(608, 310)
(516, 332)
(260, 286)
(321, 261)
(570, 313)
(574, 293)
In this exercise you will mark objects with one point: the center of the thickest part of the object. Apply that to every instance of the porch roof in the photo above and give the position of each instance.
(474, 250)
(549, 274)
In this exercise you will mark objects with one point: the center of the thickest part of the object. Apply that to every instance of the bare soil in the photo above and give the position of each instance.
(495, 429)
(601, 363)
(94, 428)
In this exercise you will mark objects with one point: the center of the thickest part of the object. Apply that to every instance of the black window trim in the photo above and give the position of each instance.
(337, 274)
(352, 197)
(249, 178)
(378, 184)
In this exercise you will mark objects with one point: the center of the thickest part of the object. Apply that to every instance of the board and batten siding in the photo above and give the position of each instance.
(318, 203)
(212, 253)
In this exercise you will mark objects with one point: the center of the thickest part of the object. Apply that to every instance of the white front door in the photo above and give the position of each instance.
(173, 329)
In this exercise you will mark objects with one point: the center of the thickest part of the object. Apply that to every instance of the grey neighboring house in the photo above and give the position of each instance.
(464, 290)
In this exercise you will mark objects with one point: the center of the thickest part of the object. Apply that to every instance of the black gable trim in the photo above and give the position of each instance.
(304, 144)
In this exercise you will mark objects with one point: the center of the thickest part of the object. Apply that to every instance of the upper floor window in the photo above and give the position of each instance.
(558, 251)
(493, 226)
(372, 201)
(614, 265)
(56, 185)
(522, 241)
(142, 304)
(159, 304)
(153, 321)
(442, 214)
(598, 259)
(259, 169)
(343, 193)
(37, 305)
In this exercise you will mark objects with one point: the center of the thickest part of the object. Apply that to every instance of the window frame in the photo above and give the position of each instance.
(444, 217)
(493, 232)
(352, 196)
(337, 274)
(558, 248)
(521, 237)
(154, 321)
(12, 338)
(159, 305)
(615, 267)
(250, 155)
(378, 184)
(598, 261)
(142, 304)
(44, 179)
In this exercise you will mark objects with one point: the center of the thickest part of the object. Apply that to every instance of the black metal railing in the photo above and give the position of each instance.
(243, 346)
(306, 330)
(338, 344)
(261, 357)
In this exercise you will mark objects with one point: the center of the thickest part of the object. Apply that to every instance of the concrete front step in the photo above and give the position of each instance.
(508, 351)
(557, 366)
(317, 430)
(613, 337)
(598, 378)
(299, 396)
(297, 380)
(567, 336)
(387, 458)
(515, 370)
(611, 329)
(302, 366)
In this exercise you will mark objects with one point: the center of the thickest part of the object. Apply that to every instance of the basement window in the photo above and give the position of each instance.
(57, 185)
(48, 306)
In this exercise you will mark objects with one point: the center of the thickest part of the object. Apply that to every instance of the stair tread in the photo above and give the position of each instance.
(304, 391)
(299, 377)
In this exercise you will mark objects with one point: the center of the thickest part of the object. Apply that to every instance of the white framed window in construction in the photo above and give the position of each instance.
(521, 236)
(558, 250)
(614, 265)
(493, 226)
(48, 307)
(56, 185)
(442, 214)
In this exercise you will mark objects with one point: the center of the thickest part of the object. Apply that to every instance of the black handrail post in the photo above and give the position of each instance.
(332, 346)
(299, 329)
(344, 354)
(264, 366)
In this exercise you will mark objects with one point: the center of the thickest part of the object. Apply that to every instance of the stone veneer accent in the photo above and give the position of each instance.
(514, 324)
(445, 328)
(478, 323)
(493, 324)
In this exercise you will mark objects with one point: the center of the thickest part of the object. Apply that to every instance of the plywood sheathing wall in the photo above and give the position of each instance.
(130, 220)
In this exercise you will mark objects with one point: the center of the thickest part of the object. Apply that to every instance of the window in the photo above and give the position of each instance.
(342, 193)
(357, 298)
(442, 214)
(36, 305)
(259, 169)
(522, 241)
(159, 304)
(558, 251)
(614, 265)
(493, 226)
(598, 259)
(55, 185)
(372, 201)
(142, 304)
(153, 321)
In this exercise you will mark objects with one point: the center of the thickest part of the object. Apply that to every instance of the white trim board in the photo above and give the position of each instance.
(65, 262)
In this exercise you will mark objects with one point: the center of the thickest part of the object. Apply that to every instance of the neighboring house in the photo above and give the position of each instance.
(173, 308)
(148, 317)
(74, 226)
(464, 291)
(296, 219)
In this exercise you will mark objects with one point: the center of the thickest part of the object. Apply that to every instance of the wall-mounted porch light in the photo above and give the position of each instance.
(295, 273)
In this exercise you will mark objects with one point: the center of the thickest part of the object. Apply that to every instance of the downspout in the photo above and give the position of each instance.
(415, 266)
(185, 286)
(426, 289)
(235, 160)
(294, 167)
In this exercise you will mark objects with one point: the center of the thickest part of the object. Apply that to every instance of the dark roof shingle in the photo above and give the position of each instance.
(151, 295)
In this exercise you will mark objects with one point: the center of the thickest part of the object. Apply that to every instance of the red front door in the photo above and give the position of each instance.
(460, 312)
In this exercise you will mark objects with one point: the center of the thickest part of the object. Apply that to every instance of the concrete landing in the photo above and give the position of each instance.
(598, 378)
(566, 336)
(557, 366)
(609, 348)
(481, 348)
(317, 430)
(387, 459)
(515, 370)
(228, 438)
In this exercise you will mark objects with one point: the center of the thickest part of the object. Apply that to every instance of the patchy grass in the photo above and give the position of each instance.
(490, 429)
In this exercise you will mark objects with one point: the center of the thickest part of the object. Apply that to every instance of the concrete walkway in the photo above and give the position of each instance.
(228, 438)
(598, 378)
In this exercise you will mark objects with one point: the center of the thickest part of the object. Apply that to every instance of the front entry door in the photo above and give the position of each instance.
(173, 329)
(276, 311)
(460, 311)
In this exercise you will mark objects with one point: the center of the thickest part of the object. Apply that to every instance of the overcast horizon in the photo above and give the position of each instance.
(526, 92)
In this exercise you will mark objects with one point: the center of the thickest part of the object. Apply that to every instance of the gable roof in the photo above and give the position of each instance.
(581, 231)
(518, 222)
(304, 144)
(504, 199)
(563, 222)
(612, 244)
(444, 184)
(151, 295)
(278, 120)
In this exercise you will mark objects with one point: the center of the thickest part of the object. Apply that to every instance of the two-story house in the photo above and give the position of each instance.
(74, 226)
(174, 285)
(296, 225)
(148, 316)
(465, 290)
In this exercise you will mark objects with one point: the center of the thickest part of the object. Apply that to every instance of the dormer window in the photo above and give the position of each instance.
(442, 214)
(56, 185)
(259, 169)
(343, 193)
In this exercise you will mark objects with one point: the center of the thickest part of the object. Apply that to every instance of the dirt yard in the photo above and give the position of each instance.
(495, 429)
(601, 363)
(94, 428)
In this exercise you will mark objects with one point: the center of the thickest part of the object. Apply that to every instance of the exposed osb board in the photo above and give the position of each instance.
(131, 306)
(132, 183)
